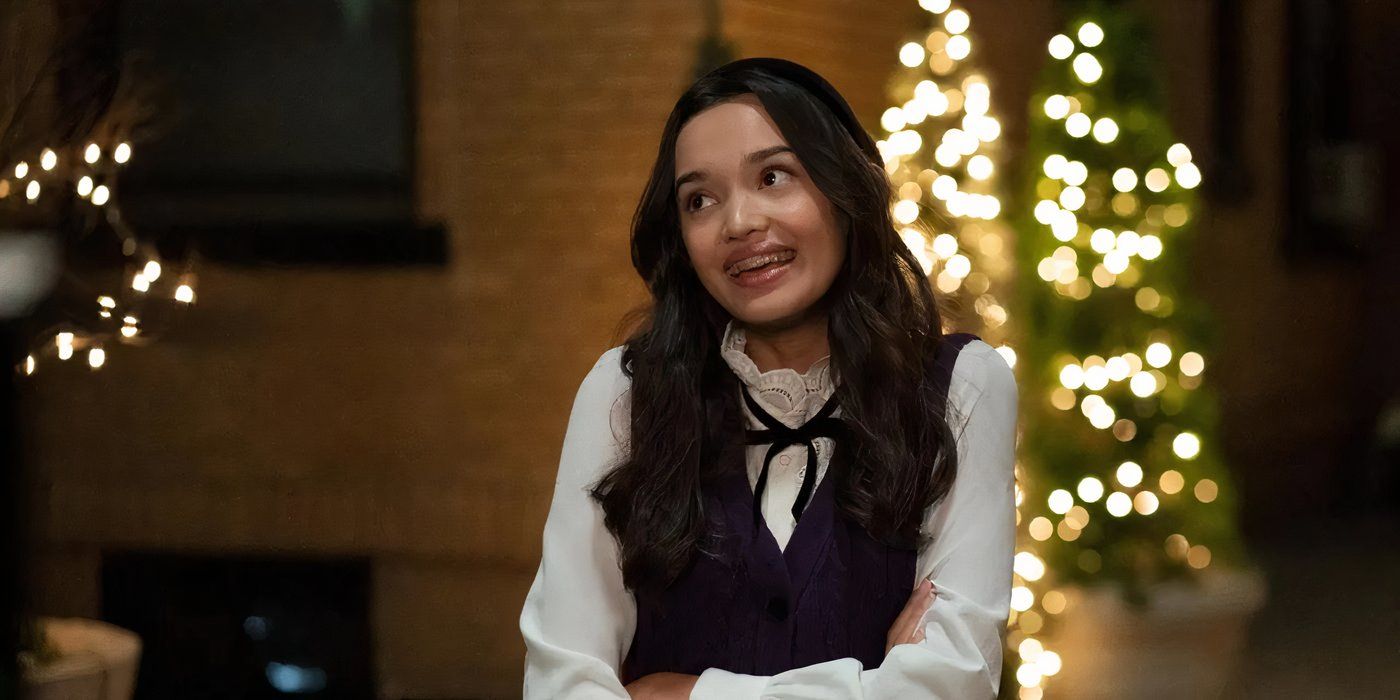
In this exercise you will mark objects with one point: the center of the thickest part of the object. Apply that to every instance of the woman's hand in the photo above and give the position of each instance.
(662, 686)
(906, 628)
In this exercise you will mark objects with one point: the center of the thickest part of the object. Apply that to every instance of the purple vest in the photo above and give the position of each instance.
(760, 610)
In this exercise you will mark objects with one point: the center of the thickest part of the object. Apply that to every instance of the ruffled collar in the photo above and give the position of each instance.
(788, 395)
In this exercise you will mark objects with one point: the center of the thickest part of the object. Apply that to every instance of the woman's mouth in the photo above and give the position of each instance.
(762, 269)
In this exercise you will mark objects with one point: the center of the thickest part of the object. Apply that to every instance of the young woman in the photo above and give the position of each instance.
(761, 490)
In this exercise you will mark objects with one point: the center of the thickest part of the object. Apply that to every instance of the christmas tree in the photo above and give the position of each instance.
(941, 151)
(940, 148)
(1126, 486)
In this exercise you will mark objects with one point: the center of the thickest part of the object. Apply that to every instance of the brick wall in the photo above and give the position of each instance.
(416, 416)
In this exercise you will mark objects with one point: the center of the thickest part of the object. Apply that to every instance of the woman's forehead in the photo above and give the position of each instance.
(725, 133)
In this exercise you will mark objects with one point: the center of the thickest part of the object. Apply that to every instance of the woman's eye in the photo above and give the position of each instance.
(696, 201)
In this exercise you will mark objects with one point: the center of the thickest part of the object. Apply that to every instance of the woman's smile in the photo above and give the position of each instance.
(768, 271)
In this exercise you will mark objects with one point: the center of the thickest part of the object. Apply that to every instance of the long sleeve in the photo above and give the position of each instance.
(578, 618)
(969, 561)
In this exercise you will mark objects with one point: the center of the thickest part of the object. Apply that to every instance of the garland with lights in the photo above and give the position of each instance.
(61, 180)
(1126, 487)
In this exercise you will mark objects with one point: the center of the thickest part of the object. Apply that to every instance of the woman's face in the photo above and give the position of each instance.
(741, 193)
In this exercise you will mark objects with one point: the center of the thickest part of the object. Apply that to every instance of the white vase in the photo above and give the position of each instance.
(97, 661)
(30, 263)
(1185, 644)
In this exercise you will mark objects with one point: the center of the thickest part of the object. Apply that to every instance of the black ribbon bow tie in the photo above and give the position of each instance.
(821, 424)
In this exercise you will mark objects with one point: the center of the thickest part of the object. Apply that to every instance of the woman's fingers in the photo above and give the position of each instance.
(917, 603)
(906, 627)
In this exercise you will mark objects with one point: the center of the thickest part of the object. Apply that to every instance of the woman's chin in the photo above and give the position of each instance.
(771, 310)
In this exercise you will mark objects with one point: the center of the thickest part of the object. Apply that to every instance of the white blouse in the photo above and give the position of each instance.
(578, 618)
(791, 398)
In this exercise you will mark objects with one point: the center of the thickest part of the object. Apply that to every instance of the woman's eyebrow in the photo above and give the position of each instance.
(754, 157)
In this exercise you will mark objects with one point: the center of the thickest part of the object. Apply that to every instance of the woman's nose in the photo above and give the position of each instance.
(745, 213)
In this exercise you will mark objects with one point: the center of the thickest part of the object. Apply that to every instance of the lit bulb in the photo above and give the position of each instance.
(1076, 173)
(1028, 566)
(1105, 130)
(911, 54)
(980, 167)
(906, 211)
(1145, 502)
(958, 266)
(1057, 106)
(1064, 226)
(1102, 240)
(1048, 663)
(64, 341)
(1171, 481)
(1186, 445)
(1061, 46)
(959, 47)
(1158, 354)
(1178, 155)
(1090, 489)
(1119, 504)
(1028, 675)
(1072, 198)
(1079, 124)
(1124, 179)
(1087, 68)
(1150, 247)
(1188, 175)
(957, 21)
(1090, 34)
(1143, 384)
(1022, 598)
(1192, 364)
(1157, 180)
(893, 119)
(944, 187)
(1206, 490)
(1072, 376)
(1116, 261)
(1129, 474)
(1008, 354)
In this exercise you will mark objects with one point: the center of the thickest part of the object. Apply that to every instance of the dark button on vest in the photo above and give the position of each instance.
(777, 608)
(758, 609)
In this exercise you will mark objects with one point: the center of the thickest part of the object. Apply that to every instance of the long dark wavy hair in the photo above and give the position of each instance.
(884, 326)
